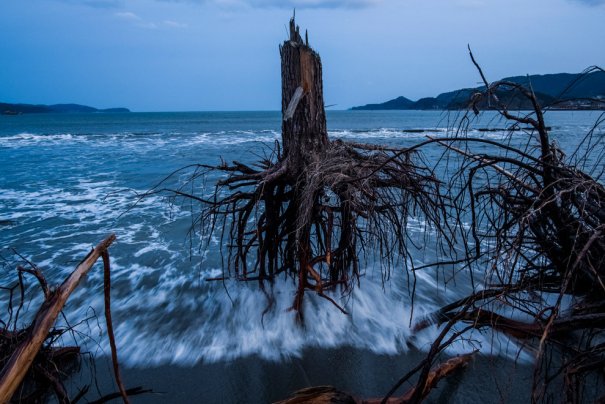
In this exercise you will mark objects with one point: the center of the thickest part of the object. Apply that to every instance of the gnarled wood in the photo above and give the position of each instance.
(19, 363)
(311, 208)
(304, 131)
(329, 394)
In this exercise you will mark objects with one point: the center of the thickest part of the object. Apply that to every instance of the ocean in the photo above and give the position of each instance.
(69, 180)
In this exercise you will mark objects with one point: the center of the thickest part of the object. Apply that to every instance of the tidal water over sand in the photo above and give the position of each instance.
(68, 180)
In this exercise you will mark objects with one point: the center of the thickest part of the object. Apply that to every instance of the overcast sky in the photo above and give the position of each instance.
(192, 55)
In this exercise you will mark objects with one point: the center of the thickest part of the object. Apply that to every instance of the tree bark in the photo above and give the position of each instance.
(304, 137)
(304, 130)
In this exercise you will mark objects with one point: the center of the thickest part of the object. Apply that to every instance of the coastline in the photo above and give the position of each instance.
(359, 372)
(135, 139)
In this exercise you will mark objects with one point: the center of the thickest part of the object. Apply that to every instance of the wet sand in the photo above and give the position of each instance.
(361, 373)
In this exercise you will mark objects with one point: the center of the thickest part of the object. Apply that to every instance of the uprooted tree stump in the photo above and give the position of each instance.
(315, 203)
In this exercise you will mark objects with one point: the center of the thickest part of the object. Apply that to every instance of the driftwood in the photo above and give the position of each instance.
(329, 394)
(536, 231)
(109, 322)
(23, 356)
(434, 376)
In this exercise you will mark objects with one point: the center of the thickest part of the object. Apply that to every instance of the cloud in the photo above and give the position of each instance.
(590, 2)
(127, 15)
(141, 23)
(174, 24)
(313, 3)
(288, 4)
(470, 4)
(103, 3)
(96, 3)
(136, 20)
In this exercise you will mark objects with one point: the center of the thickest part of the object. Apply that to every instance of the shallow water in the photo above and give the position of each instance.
(66, 181)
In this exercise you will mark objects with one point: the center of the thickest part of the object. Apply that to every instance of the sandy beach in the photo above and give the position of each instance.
(361, 373)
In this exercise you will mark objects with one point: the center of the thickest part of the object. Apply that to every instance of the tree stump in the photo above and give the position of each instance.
(315, 203)
(304, 131)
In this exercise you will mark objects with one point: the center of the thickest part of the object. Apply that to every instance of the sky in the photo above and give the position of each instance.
(220, 55)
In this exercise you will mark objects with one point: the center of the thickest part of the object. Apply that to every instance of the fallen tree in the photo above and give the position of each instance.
(536, 226)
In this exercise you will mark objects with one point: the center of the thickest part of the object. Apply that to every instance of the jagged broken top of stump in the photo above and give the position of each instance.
(304, 122)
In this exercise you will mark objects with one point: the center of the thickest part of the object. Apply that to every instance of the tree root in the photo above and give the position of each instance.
(31, 366)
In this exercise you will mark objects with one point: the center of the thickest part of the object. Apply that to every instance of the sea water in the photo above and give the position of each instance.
(69, 180)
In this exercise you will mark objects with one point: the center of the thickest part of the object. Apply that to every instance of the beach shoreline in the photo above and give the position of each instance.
(360, 373)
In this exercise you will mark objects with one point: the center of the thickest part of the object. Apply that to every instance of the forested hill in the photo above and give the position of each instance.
(548, 88)
(15, 109)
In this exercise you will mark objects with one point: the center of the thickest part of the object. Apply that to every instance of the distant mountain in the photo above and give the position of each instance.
(397, 103)
(565, 85)
(549, 88)
(16, 109)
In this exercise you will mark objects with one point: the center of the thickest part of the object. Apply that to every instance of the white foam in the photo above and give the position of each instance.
(28, 139)
(163, 309)
(165, 313)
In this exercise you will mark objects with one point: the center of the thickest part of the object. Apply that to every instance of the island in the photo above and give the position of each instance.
(18, 109)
